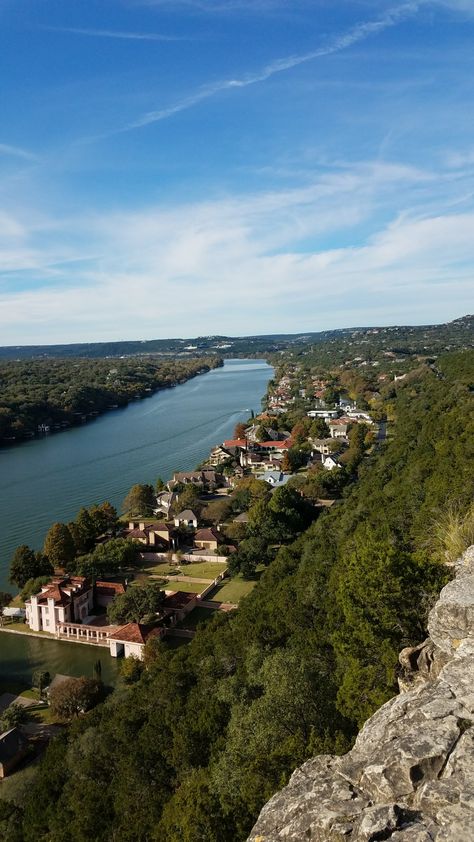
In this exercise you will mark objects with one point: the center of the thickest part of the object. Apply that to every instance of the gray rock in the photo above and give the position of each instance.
(410, 775)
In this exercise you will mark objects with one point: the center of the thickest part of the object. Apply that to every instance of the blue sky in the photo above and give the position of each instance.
(233, 166)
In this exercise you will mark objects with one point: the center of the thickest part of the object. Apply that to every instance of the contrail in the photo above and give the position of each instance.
(112, 33)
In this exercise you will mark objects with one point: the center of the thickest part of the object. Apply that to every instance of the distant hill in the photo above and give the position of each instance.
(456, 332)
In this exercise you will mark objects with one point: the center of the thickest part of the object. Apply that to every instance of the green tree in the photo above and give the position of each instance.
(59, 546)
(136, 603)
(40, 680)
(188, 498)
(104, 518)
(160, 485)
(131, 670)
(86, 529)
(33, 586)
(75, 696)
(108, 558)
(140, 501)
(13, 716)
(27, 564)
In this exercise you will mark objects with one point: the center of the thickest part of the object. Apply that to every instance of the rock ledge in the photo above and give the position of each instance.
(410, 775)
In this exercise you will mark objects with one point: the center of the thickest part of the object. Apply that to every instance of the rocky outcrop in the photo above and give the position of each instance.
(410, 775)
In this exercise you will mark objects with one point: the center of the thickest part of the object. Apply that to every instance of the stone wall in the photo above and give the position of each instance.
(410, 775)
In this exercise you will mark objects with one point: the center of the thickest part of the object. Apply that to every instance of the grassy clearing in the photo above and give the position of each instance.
(233, 590)
(188, 587)
(202, 570)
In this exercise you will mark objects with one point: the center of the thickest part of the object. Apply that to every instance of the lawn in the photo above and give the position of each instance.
(17, 625)
(188, 587)
(201, 570)
(233, 590)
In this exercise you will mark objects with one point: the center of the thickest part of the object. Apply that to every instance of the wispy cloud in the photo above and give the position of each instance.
(414, 266)
(113, 33)
(353, 36)
(17, 152)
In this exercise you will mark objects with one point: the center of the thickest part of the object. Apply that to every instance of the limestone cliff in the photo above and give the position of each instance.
(410, 775)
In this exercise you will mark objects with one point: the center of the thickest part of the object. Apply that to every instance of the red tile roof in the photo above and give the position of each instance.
(235, 443)
(180, 599)
(110, 587)
(135, 633)
(281, 445)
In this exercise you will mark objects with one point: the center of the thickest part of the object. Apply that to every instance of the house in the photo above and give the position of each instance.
(242, 518)
(219, 455)
(239, 444)
(207, 539)
(130, 640)
(323, 413)
(62, 600)
(186, 518)
(164, 501)
(279, 447)
(360, 417)
(274, 478)
(13, 747)
(159, 535)
(207, 477)
(338, 431)
(321, 445)
(251, 460)
(187, 478)
(331, 461)
(105, 592)
(179, 603)
(68, 600)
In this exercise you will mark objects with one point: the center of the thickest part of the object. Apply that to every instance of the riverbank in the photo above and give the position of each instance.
(48, 480)
(74, 396)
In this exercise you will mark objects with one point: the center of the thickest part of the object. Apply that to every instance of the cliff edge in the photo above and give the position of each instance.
(410, 775)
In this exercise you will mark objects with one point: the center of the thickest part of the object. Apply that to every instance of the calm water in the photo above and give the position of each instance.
(48, 480)
(20, 656)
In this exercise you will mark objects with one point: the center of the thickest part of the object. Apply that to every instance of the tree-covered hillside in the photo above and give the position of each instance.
(61, 392)
(192, 751)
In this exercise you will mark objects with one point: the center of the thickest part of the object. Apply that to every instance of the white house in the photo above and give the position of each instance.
(186, 518)
(130, 640)
(331, 462)
(323, 413)
(62, 600)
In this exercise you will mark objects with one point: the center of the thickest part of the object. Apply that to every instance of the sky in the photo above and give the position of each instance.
(200, 167)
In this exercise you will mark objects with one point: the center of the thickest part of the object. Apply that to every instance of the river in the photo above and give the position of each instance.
(49, 479)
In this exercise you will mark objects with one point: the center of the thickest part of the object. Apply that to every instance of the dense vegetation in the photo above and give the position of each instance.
(61, 392)
(191, 751)
(451, 335)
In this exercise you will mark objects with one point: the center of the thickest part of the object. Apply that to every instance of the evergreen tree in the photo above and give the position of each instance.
(59, 546)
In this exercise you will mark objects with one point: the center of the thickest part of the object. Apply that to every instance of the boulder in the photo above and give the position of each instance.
(410, 775)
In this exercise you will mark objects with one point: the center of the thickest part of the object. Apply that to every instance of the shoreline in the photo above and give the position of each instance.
(97, 413)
